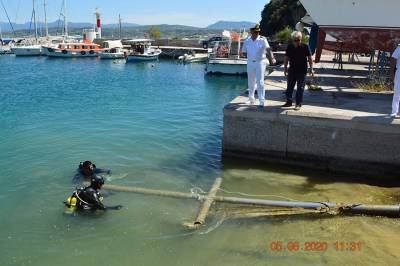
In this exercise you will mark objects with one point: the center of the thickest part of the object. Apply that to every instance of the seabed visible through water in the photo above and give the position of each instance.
(156, 126)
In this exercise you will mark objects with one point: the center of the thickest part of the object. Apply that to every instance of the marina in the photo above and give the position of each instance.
(134, 152)
(192, 171)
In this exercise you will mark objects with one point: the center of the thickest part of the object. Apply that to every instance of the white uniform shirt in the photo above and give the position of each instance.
(255, 49)
(396, 55)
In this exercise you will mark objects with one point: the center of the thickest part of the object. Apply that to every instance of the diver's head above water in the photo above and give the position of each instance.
(96, 182)
(87, 168)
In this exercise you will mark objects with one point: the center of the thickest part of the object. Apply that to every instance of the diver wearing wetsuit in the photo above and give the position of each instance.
(87, 170)
(89, 198)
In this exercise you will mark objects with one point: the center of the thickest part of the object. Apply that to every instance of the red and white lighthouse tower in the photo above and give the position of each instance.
(98, 24)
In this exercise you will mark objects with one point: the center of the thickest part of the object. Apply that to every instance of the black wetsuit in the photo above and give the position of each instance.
(97, 171)
(89, 198)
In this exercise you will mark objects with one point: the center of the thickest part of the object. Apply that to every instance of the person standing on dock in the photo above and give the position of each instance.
(257, 49)
(395, 76)
(297, 55)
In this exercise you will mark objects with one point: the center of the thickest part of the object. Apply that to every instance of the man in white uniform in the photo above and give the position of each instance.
(395, 75)
(257, 49)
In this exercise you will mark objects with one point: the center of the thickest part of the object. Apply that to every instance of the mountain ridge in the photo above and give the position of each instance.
(219, 25)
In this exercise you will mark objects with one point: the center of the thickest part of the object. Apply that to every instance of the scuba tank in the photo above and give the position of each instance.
(71, 203)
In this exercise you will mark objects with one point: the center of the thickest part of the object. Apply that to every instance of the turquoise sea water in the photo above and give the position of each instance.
(156, 125)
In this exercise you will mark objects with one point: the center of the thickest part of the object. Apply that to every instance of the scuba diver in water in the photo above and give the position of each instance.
(89, 198)
(87, 170)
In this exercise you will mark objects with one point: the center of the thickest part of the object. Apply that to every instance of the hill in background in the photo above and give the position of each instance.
(234, 25)
(129, 30)
(5, 26)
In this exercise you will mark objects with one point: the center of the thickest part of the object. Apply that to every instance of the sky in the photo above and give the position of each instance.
(184, 12)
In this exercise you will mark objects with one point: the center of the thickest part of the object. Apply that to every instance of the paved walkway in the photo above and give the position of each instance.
(339, 99)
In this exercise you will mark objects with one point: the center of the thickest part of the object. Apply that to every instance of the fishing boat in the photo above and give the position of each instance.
(113, 53)
(225, 58)
(141, 50)
(366, 24)
(112, 50)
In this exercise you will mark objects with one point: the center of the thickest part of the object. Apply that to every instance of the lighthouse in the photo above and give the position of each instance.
(98, 24)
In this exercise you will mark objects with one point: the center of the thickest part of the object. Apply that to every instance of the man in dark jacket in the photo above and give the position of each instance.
(297, 55)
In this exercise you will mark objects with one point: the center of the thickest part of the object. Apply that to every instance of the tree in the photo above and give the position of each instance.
(154, 33)
(279, 14)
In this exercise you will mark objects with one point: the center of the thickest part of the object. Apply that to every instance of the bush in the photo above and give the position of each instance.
(285, 36)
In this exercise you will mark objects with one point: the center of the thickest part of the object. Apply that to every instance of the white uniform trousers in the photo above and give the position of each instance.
(396, 94)
(255, 75)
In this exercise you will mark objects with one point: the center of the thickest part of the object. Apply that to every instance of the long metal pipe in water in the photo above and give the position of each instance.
(201, 216)
(373, 210)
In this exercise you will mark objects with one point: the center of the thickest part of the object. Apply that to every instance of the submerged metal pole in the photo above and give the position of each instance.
(372, 210)
(154, 192)
(201, 216)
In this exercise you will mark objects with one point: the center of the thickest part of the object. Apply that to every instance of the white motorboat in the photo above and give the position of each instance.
(193, 58)
(113, 53)
(141, 50)
(225, 59)
(113, 50)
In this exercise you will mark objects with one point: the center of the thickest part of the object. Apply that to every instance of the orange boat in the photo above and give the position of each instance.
(85, 49)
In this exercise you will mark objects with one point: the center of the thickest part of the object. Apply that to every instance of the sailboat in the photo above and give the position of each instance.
(30, 47)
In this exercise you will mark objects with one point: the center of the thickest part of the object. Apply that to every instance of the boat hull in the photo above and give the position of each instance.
(227, 66)
(51, 52)
(360, 39)
(35, 50)
(362, 24)
(141, 58)
(111, 55)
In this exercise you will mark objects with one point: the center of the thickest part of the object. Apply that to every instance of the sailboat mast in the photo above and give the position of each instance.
(65, 20)
(120, 27)
(45, 19)
(34, 21)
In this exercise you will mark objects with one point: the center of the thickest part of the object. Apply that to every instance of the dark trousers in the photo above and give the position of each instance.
(292, 79)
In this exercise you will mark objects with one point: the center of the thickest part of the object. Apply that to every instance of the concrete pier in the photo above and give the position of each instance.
(340, 128)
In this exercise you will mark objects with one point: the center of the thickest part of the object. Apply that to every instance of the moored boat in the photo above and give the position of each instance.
(72, 49)
(112, 53)
(225, 59)
(112, 50)
(141, 50)
(27, 50)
